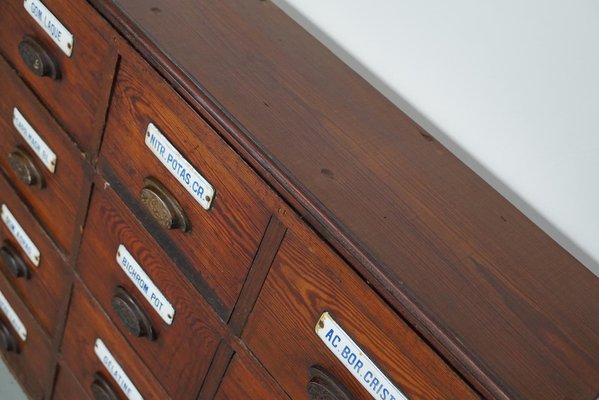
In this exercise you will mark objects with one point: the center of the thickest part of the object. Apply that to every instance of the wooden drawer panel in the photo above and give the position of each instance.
(242, 382)
(32, 362)
(48, 283)
(308, 279)
(223, 240)
(85, 324)
(57, 202)
(66, 386)
(80, 96)
(187, 345)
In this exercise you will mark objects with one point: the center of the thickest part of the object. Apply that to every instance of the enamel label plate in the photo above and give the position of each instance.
(20, 236)
(115, 370)
(51, 25)
(144, 284)
(37, 144)
(355, 360)
(12, 316)
(178, 166)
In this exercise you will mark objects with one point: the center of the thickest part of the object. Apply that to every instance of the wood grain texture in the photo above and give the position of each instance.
(85, 323)
(45, 291)
(79, 99)
(66, 386)
(183, 351)
(57, 204)
(501, 300)
(307, 279)
(223, 241)
(33, 365)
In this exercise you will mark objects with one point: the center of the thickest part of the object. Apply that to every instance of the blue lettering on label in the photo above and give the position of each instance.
(137, 278)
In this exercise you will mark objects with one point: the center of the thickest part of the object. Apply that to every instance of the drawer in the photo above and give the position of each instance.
(120, 263)
(66, 386)
(221, 242)
(79, 96)
(53, 190)
(99, 357)
(25, 348)
(241, 381)
(308, 280)
(42, 287)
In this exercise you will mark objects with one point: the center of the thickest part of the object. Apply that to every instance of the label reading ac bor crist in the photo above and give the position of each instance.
(115, 370)
(37, 144)
(51, 25)
(12, 316)
(179, 167)
(144, 284)
(355, 360)
(20, 236)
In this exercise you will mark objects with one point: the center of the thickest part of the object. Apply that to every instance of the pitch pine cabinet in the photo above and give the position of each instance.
(200, 201)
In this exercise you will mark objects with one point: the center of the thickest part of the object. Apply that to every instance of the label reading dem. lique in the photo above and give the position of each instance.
(355, 360)
(37, 144)
(12, 316)
(115, 370)
(20, 236)
(144, 284)
(179, 167)
(51, 25)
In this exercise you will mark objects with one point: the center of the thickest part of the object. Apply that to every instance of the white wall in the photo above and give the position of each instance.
(511, 87)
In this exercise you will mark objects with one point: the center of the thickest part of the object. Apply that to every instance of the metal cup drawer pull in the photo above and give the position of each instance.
(37, 59)
(25, 168)
(322, 386)
(162, 205)
(8, 343)
(101, 389)
(132, 315)
(13, 261)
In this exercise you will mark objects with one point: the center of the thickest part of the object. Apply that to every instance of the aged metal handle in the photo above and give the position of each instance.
(13, 261)
(37, 59)
(25, 168)
(322, 386)
(7, 339)
(163, 206)
(101, 389)
(132, 315)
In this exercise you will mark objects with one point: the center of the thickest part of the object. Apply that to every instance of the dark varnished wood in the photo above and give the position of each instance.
(32, 366)
(85, 323)
(80, 97)
(506, 305)
(222, 242)
(57, 203)
(48, 286)
(307, 279)
(66, 386)
(181, 353)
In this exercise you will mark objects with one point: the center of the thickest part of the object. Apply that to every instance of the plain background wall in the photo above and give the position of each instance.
(510, 87)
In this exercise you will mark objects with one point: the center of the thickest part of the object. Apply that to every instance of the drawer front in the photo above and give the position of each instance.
(86, 356)
(117, 253)
(30, 360)
(43, 288)
(221, 241)
(241, 382)
(66, 386)
(306, 280)
(79, 96)
(54, 192)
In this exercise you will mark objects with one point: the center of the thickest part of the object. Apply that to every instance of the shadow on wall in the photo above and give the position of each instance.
(442, 137)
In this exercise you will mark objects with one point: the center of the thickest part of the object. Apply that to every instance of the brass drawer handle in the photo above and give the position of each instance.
(13, 261)
(163, 206)
(8, 343)
(37, 59)
(132, 316)
(101, 389)
(323, 386)
(25, 168)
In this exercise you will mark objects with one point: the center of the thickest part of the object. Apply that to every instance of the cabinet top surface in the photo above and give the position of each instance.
(497, 296)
